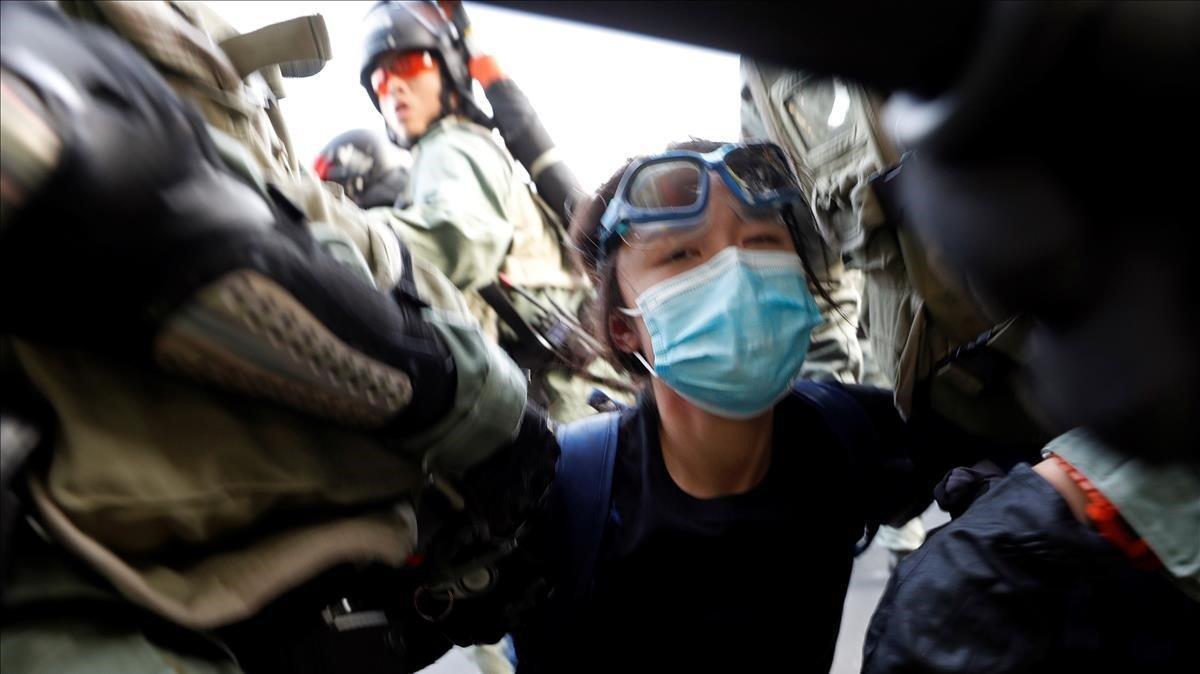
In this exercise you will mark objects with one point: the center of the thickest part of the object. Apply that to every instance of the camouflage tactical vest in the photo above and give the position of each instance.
(162, 485)
(918, 317)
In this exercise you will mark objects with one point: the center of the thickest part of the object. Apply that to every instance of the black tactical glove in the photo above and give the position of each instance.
(481, 548)
(136, 202)
(1017, 584)
(141, 215)
(962, 486)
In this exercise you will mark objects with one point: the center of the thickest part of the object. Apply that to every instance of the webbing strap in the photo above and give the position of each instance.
(300, 46)
(583, 492)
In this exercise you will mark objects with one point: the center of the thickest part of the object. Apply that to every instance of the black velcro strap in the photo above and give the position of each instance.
(406, 286)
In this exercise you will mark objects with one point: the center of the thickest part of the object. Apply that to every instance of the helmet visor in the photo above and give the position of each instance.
(403, 65)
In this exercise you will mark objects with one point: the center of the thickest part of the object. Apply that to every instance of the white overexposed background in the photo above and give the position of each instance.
(603, 95)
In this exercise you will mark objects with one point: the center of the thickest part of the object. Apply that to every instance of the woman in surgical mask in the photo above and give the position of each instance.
(712, 526)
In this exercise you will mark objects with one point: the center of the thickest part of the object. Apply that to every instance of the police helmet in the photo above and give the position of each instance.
(393, 26)
(372, 171)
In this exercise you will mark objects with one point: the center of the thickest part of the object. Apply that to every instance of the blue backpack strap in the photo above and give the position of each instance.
(849, 423)
(583, 493)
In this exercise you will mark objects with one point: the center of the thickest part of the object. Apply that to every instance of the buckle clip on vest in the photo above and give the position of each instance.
(342, 617)
(300, 47)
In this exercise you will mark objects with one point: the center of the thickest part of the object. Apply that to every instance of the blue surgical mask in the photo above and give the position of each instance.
(731, 335)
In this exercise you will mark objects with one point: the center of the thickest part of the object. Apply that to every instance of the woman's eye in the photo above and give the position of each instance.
(676, 255)
(764, 240)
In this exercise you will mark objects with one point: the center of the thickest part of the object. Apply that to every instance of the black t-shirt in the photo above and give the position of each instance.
(750, 582)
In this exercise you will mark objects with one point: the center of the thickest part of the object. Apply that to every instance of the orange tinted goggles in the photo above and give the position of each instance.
(404, 66)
